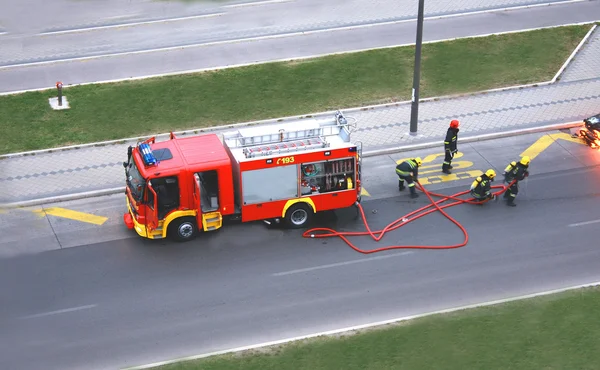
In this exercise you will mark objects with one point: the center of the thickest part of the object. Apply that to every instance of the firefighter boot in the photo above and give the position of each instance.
(510, 201)
(413, 192)
(446, 168)
(400, 185)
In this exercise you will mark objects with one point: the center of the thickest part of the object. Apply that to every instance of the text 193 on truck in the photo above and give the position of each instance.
(279, 173)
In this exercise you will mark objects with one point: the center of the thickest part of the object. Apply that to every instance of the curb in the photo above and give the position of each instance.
(63, 198)
(372, 153)
(316, 114)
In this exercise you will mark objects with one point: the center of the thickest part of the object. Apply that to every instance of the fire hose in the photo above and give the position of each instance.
(323, 232)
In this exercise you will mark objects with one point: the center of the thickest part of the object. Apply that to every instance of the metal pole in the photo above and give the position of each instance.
(59, 88)
(414, 113)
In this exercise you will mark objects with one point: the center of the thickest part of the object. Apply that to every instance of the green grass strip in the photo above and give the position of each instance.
(134, 108)
(555, 332)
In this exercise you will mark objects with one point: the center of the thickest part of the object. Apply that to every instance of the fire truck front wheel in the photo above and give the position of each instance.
(183, 229)
(298, 216)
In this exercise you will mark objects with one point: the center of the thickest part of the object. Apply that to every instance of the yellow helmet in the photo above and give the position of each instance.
(525, 160)
(490, 173)
(419, 161)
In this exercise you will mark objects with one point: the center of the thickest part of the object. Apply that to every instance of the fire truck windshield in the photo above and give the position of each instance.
(135, 181)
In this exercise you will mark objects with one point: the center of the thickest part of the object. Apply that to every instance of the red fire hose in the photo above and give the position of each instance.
(322, 232)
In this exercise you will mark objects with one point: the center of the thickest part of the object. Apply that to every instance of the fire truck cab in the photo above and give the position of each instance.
(285, 172)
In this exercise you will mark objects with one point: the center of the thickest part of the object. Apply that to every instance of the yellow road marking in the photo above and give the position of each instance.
(431, 157)
(456, 166)
(364, 192)
(73, 215)
(437, 168)
(451, 177)
(545, 141)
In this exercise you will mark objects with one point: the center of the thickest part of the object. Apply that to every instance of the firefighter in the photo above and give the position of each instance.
(409, 171)
(450, 146)
(481, 188)
(515, 171)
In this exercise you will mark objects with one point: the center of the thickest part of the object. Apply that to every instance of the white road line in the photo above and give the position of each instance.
(291, 272)
(75, 30)
(585, 223)
(304, 33)
(166, 74)
(365, 326)
(253, 3)
(59, 311)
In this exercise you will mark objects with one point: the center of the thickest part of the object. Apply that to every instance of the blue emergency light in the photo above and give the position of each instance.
(147, 155)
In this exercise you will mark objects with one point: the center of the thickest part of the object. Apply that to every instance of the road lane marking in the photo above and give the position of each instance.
(73, 215)
(544, 143)
(294, 34)
(456, 176)
(131, 24)
(360, 327)
(364, 192)
(291, 272)
(437, 168)
(253, 3)
(585, 223)
(57, 312)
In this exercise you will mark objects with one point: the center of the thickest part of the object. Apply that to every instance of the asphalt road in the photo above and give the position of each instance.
(246, 35)
(131, 301)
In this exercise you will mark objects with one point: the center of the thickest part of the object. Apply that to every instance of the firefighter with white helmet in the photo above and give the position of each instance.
(515, 171)
(481, 188)
(409, 171)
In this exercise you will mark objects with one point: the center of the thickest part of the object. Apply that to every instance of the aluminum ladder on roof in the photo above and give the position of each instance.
(285, 146)
(288, 137)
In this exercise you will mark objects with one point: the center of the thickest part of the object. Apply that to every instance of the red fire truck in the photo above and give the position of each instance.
(285, 172)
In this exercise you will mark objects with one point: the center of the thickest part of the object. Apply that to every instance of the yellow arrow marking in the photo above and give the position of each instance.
(364, 192)
(73, 215)
(545, 141)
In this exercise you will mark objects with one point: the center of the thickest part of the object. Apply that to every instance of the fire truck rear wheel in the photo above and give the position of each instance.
(298, 216)
(183, 229)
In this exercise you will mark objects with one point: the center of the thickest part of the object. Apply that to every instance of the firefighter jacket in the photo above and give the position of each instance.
(405, 168)
(451, 137)
(515, 170)
(481, 186)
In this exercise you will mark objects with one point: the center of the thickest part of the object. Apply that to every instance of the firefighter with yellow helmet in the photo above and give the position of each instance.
(515, 171)
(409, 171)
(481, 188)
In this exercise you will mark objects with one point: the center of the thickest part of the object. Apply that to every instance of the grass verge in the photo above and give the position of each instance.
(134, 108)
(553, 332)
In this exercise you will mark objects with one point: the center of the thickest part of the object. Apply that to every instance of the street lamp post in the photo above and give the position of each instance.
(414, 112)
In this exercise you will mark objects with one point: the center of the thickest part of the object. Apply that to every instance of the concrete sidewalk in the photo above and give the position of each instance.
(574, 96)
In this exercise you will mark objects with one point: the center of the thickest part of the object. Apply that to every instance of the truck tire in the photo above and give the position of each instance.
(298, 216)
(183, 229)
